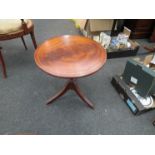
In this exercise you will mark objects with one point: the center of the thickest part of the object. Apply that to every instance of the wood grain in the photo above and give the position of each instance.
(70, 56)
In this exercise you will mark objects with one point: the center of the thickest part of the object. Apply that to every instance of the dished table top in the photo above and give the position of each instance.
(70, 56)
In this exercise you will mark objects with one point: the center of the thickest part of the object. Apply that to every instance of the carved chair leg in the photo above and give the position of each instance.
(3, 65)
(33, 39)
(22, 38)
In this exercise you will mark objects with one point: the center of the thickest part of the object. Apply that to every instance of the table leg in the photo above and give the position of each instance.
(59, 94)
(80, 94)
(71, 85)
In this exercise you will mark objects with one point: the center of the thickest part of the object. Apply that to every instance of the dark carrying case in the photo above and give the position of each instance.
(141, 76)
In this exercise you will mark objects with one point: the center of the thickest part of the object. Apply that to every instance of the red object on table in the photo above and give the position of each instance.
(70, 57)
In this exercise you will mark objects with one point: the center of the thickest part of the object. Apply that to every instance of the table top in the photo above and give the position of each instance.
(70, 56)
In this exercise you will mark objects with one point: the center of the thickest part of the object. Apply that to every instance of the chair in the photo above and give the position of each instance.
(15, 28)
(12, 28)
(3, 64)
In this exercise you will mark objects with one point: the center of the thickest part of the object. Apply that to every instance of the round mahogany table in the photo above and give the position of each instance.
(70, 57)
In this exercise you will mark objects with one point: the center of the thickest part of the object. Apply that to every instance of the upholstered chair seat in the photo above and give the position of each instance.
(10, 25)
(15, 28)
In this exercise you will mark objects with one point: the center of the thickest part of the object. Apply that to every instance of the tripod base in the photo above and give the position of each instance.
(71, 85)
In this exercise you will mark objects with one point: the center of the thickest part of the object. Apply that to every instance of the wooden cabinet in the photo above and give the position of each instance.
(141, 28)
